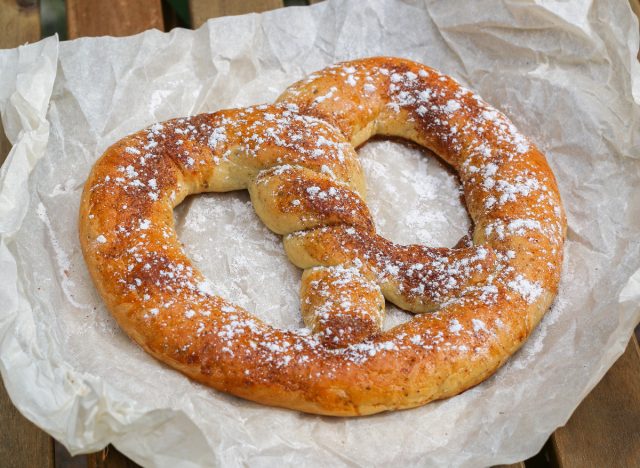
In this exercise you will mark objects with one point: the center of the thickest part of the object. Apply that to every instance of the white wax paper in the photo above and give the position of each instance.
(566, 74)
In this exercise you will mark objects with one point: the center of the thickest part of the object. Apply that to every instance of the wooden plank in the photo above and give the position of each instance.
(113, 17)
(202, 10)
(22, 444)
(605, 429)
(19, 22)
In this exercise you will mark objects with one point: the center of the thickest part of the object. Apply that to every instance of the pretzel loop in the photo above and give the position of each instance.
(298, 161)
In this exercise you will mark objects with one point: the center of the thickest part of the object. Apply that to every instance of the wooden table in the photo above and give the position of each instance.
(604, 430)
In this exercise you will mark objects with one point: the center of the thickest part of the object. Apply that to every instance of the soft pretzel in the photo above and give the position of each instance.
(478, 301)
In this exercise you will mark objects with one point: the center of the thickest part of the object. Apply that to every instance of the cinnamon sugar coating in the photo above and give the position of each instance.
(475, 303)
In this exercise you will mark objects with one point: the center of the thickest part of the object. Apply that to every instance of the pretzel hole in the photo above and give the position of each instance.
(414, 197)
(246, 262)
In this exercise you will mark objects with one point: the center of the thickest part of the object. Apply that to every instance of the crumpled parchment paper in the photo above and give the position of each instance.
(565, 72)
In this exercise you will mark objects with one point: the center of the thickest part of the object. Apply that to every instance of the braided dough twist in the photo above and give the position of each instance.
(297, 160)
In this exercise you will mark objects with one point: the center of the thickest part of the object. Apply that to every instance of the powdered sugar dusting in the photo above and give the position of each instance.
(311, 161)
(529, 290)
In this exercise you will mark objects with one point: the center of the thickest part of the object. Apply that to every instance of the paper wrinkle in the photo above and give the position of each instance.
(565, 73)
(27, 76)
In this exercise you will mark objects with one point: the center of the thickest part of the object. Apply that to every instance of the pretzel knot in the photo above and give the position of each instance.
(478, 301)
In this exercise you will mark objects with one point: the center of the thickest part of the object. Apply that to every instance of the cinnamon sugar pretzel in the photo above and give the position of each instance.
(477, 303)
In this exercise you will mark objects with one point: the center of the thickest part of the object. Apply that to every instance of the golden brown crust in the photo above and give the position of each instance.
(342, 305)
(298, 161)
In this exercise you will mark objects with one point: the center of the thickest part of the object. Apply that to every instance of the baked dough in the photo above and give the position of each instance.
(476, 303)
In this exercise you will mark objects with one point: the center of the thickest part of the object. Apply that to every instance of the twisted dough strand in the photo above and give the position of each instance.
(297, 160)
